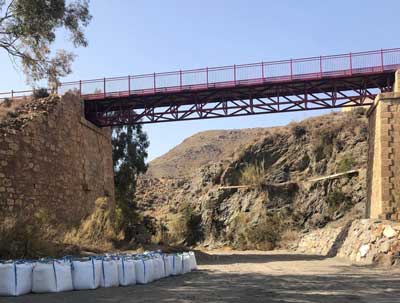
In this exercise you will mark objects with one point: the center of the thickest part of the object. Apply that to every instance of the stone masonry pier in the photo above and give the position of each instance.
(383, 200)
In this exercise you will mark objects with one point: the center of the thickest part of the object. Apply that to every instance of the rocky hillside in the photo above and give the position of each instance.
(259, 188)
(201, 149)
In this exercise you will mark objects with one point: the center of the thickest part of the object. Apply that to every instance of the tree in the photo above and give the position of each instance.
(130, 145)
(28, 29)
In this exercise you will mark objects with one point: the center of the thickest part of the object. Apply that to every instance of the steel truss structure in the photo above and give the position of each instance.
(240, 100)
(322, 82)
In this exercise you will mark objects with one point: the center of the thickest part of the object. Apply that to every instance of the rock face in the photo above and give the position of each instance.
(364, 241)
(54, 165)
(285, 181)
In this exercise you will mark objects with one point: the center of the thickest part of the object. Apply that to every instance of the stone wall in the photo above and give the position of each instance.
(383, 197)
(53, 165)
(365, 241)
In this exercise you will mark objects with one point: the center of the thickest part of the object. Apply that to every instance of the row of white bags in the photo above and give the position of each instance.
(18, 278)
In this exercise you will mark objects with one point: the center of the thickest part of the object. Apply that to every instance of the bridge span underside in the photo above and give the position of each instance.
(240, 98)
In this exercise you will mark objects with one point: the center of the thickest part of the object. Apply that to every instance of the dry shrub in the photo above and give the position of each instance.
(22, 237)
(7, 102)
(98, 229)
(337, 200)
(161, 234)
(253, 174)
(298, 131)
(184, 227)
(346, 163)
(263, 234)
(40, 93)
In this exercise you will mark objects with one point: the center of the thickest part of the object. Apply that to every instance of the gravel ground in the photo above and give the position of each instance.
(252, 276)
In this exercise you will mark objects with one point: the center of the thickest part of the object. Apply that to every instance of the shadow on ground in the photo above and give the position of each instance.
(233, 258)
(347, 284)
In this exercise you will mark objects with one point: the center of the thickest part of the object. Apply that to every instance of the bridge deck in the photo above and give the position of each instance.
(333, 81)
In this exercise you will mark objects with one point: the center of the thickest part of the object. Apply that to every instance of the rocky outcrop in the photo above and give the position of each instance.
(364, 241)
(290, 179)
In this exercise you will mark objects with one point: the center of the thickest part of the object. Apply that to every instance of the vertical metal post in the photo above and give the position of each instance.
(234, 73)
(154, 82)
(262, 70)
(12, 94)
(180, 79)
(382, 59)
(80, 88)
(320, 66)
(351, 64)
(207, 75)
(129, 85)
(104, 88)
(291, 69)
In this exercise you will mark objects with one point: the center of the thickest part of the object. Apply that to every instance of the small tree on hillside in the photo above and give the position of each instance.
(130, 145)
(28, 29)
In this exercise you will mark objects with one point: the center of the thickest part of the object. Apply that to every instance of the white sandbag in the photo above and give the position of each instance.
(64, 276)
(109, 276)
(168, 265)
(177, 264)
(126, 271)
(144, 271)
(86, 274)
(52, 276)
(186, 263)
(193, 262)
(158, 268)
(15, 278)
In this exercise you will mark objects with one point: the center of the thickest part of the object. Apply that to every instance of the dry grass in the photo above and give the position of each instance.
(253, 174)
(263, 234)
(98, 229)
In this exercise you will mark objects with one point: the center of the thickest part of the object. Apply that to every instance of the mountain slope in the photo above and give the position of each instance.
(279, 183)
(201, 149)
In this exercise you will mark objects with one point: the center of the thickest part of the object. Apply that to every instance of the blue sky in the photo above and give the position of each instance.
(134, 37)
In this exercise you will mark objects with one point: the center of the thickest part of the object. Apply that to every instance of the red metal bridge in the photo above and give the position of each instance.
(322, 82)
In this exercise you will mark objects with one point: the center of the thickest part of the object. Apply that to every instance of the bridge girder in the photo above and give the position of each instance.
(241, 100)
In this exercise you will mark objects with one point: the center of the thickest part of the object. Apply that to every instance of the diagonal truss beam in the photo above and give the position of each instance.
(275, 98)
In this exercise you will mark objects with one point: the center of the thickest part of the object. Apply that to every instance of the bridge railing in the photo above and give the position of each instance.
(234, 75)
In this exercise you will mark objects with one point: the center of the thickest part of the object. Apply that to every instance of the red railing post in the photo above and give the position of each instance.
(291, 69)
(80, 88)
(154, 82)
(207, 75)
(104, 88)
(180, 79)
(351, 64)
(234, 73)
(382, 59)
(320, 66)
(262, 70)
(129, 85)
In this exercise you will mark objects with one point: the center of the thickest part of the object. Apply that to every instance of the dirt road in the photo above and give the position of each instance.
(252, 277)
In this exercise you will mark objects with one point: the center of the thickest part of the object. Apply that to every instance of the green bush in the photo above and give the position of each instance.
(299, 131)
(324, 146)
(185, 226)
(346, 163)
(336, 199)
(40, 93)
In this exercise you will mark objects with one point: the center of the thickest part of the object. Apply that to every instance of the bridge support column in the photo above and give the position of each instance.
(383, 196)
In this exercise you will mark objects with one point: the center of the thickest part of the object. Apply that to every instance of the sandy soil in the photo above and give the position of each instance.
(253, 277)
